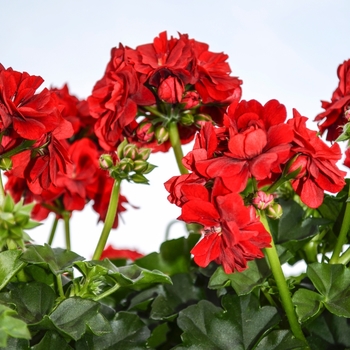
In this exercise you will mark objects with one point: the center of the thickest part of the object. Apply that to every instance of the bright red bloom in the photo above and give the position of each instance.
(23, 112)
(321, 172)
(233, 234)
(112, 253)
(333, 118)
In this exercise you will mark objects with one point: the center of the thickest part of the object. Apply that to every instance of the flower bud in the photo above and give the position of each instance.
(200, 118)
(298, 168)
(274, 211)
(187, 119)
(190, 99)
(120, 148)
(161, 134)
(106, 161)
(140, 166)
(262, 200)
(145, 131)
(126, 165)
(5, 164)
(130, 151)
(143, 153)
(170, 90)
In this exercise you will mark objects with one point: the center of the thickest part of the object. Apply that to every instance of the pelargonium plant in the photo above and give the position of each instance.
(259, 190)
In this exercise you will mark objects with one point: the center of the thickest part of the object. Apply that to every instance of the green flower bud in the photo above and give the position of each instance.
(187, 119)
(130, 151)
(106, 161)
(143, 153)
(199, 118)
(274, 211)
(161, 134)
(126, 165)
(140, 166)
(139, 178)
(120, 149)
(5, 164)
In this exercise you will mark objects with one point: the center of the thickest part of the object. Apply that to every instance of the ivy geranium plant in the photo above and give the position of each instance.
(259, 190)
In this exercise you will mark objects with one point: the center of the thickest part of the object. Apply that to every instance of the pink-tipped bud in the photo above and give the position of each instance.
(161, 134)
(106, 161)
(126, 165)
(144, 153)
(145, 132)
(262, 200)
(140, 166)
(187, 119)
(190, 99)
(130, 151)
(274, 211)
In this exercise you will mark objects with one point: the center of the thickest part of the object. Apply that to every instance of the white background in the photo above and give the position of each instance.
(288, 50)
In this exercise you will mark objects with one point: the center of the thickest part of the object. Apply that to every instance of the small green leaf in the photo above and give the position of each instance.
(242, 282)
(307, 303)
(52, 340)
(9, 266)
(57, 259)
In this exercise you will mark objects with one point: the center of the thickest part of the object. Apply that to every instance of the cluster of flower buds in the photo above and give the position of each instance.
(14, 219)
(265, 201)
(131, 163)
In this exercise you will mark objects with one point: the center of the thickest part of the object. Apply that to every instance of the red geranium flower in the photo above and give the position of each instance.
(332, 119)
(319, 172)
(233, 234)
(112, 253)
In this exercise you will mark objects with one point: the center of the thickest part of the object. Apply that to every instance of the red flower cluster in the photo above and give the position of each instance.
(255, 146)
(169, 79)
(334, 116)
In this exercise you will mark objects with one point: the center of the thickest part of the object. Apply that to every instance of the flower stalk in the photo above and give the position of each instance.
(272, 256)
(53, 231)
(176, 145)
(111, 213)
(66, 219)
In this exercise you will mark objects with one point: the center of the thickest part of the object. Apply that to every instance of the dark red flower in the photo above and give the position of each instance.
(333, 118)
(112, 253)
(319, 169)
(233, 234)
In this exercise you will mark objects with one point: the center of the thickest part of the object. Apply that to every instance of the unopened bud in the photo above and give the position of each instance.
(298, 168)
(145, 131)
(106, 161)
(190, 99)
(126, 165)
(130, 151)
(187, 119)
(274, 211)
(161, 134)
(200, 118)
(5, 164)
(143, 153)
(120, 149)
(262, 200)
(140, 166)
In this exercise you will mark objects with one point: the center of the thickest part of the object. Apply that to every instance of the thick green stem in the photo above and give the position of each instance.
(111, 213)
(281, 283)
(345, 258)
(176, 145)
(342, 235)
(53, 231)
(20, 148)
(66, 217)
(107, 292)
(2, 190)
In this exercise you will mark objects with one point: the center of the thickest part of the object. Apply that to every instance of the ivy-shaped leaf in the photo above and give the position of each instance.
(52, 340)
(9, 266)
(128, 333)
(280, 340)
(239, 326)
(242, 282)
(57, 259)
(307, 303)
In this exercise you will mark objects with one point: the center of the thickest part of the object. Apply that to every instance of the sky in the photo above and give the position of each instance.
(284, 50)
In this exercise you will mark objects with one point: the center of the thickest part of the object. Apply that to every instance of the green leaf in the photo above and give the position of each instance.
(33, 300)
(175, 297)
(333, 283)
(242, 282)
(174, 256)
(58, 260)
(11, 326)
(16, 344)
(158, 336)
(329, 331)
(9, 266)
(307, 303)
(207, 327)
(280, 340)
(128, 333)
(74, 315)
(52, 340)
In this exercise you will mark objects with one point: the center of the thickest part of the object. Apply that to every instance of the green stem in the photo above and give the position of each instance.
(154, 111)
(107, 292)
(342, 235)
(20, 148)
(281, 283)
(111, 213)
(2, 190)
(60, 286)
(66, 217)
(176, 145)
(345, 258)
(53, 231)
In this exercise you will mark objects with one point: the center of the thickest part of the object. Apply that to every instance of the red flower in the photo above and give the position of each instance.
(233, 235)
(318, 162)
(333, 117)
(112, 253)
